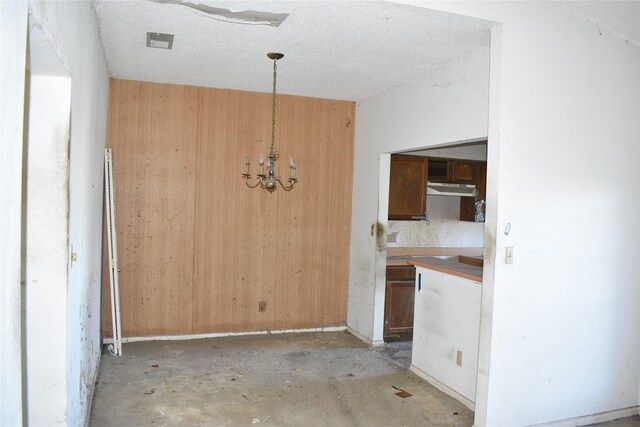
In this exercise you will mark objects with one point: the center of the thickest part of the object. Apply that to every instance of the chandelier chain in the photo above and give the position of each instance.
(273, 106)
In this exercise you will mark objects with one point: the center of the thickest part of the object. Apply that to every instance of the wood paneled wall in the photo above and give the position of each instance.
(198, 250)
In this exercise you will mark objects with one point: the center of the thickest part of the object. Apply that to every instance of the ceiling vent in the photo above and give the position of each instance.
(160, 40)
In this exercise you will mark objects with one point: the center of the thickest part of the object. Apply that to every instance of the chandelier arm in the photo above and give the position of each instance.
(287, 187)
(246, 181)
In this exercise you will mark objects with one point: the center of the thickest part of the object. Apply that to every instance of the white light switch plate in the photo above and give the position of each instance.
(508, 255)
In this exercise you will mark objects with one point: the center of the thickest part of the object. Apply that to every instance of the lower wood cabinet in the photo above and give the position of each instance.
(398, 303)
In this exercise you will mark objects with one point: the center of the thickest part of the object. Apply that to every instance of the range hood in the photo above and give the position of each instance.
(449, 189)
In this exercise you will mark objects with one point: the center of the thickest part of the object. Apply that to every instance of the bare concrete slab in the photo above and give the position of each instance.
(316, 379)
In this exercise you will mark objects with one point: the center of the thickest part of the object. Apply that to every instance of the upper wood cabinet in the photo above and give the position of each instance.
(408, 187)
(481, 181)
(408, 184)
(464, 172)
(439, 170)
(467, 204)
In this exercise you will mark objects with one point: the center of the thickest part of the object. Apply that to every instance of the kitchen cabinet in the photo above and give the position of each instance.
(408, 184)
(439, 170)
(398, 303)
(463, 172)
(467, 204)
(481, 184)
(408, 187)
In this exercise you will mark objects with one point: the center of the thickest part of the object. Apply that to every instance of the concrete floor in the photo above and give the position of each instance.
(319, 379)
(398, 352)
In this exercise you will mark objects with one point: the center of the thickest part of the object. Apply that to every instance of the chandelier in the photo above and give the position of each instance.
(270, 180)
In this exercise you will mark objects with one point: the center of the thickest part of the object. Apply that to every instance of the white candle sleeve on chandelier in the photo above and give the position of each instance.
(261, 161)
(246, 162)
(292, 167)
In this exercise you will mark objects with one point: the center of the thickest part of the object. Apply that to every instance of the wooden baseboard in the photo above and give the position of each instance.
(443, 388)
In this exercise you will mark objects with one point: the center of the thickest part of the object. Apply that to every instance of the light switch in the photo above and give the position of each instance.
(508, 255)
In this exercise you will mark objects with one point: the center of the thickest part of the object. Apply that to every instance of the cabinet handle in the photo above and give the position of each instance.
(419, 282)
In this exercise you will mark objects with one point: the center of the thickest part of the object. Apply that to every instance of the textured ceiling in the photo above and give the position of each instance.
(340, 50)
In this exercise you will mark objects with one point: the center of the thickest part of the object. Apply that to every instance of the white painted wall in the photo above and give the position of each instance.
(574, 286)
(563, 338)
(72, 29)
(13, 47)
(447, 320)
(447, 105)
(47, 213)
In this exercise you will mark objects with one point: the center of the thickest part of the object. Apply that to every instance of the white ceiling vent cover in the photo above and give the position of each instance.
(160, 40)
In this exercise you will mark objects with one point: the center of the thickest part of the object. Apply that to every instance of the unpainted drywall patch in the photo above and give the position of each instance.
(245, 17)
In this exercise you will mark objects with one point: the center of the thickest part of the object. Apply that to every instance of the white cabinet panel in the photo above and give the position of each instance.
(447, 321)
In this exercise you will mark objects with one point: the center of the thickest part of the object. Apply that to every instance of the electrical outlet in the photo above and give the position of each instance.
(262, 306)
(459, 358)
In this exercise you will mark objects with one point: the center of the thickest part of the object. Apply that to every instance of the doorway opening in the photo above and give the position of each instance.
(435, 204)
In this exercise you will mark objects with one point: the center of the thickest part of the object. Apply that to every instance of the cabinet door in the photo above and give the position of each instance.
(482, 181)
(467, 204)
(468, 209)
(398, 305)
(464, 172)
(407, 187)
